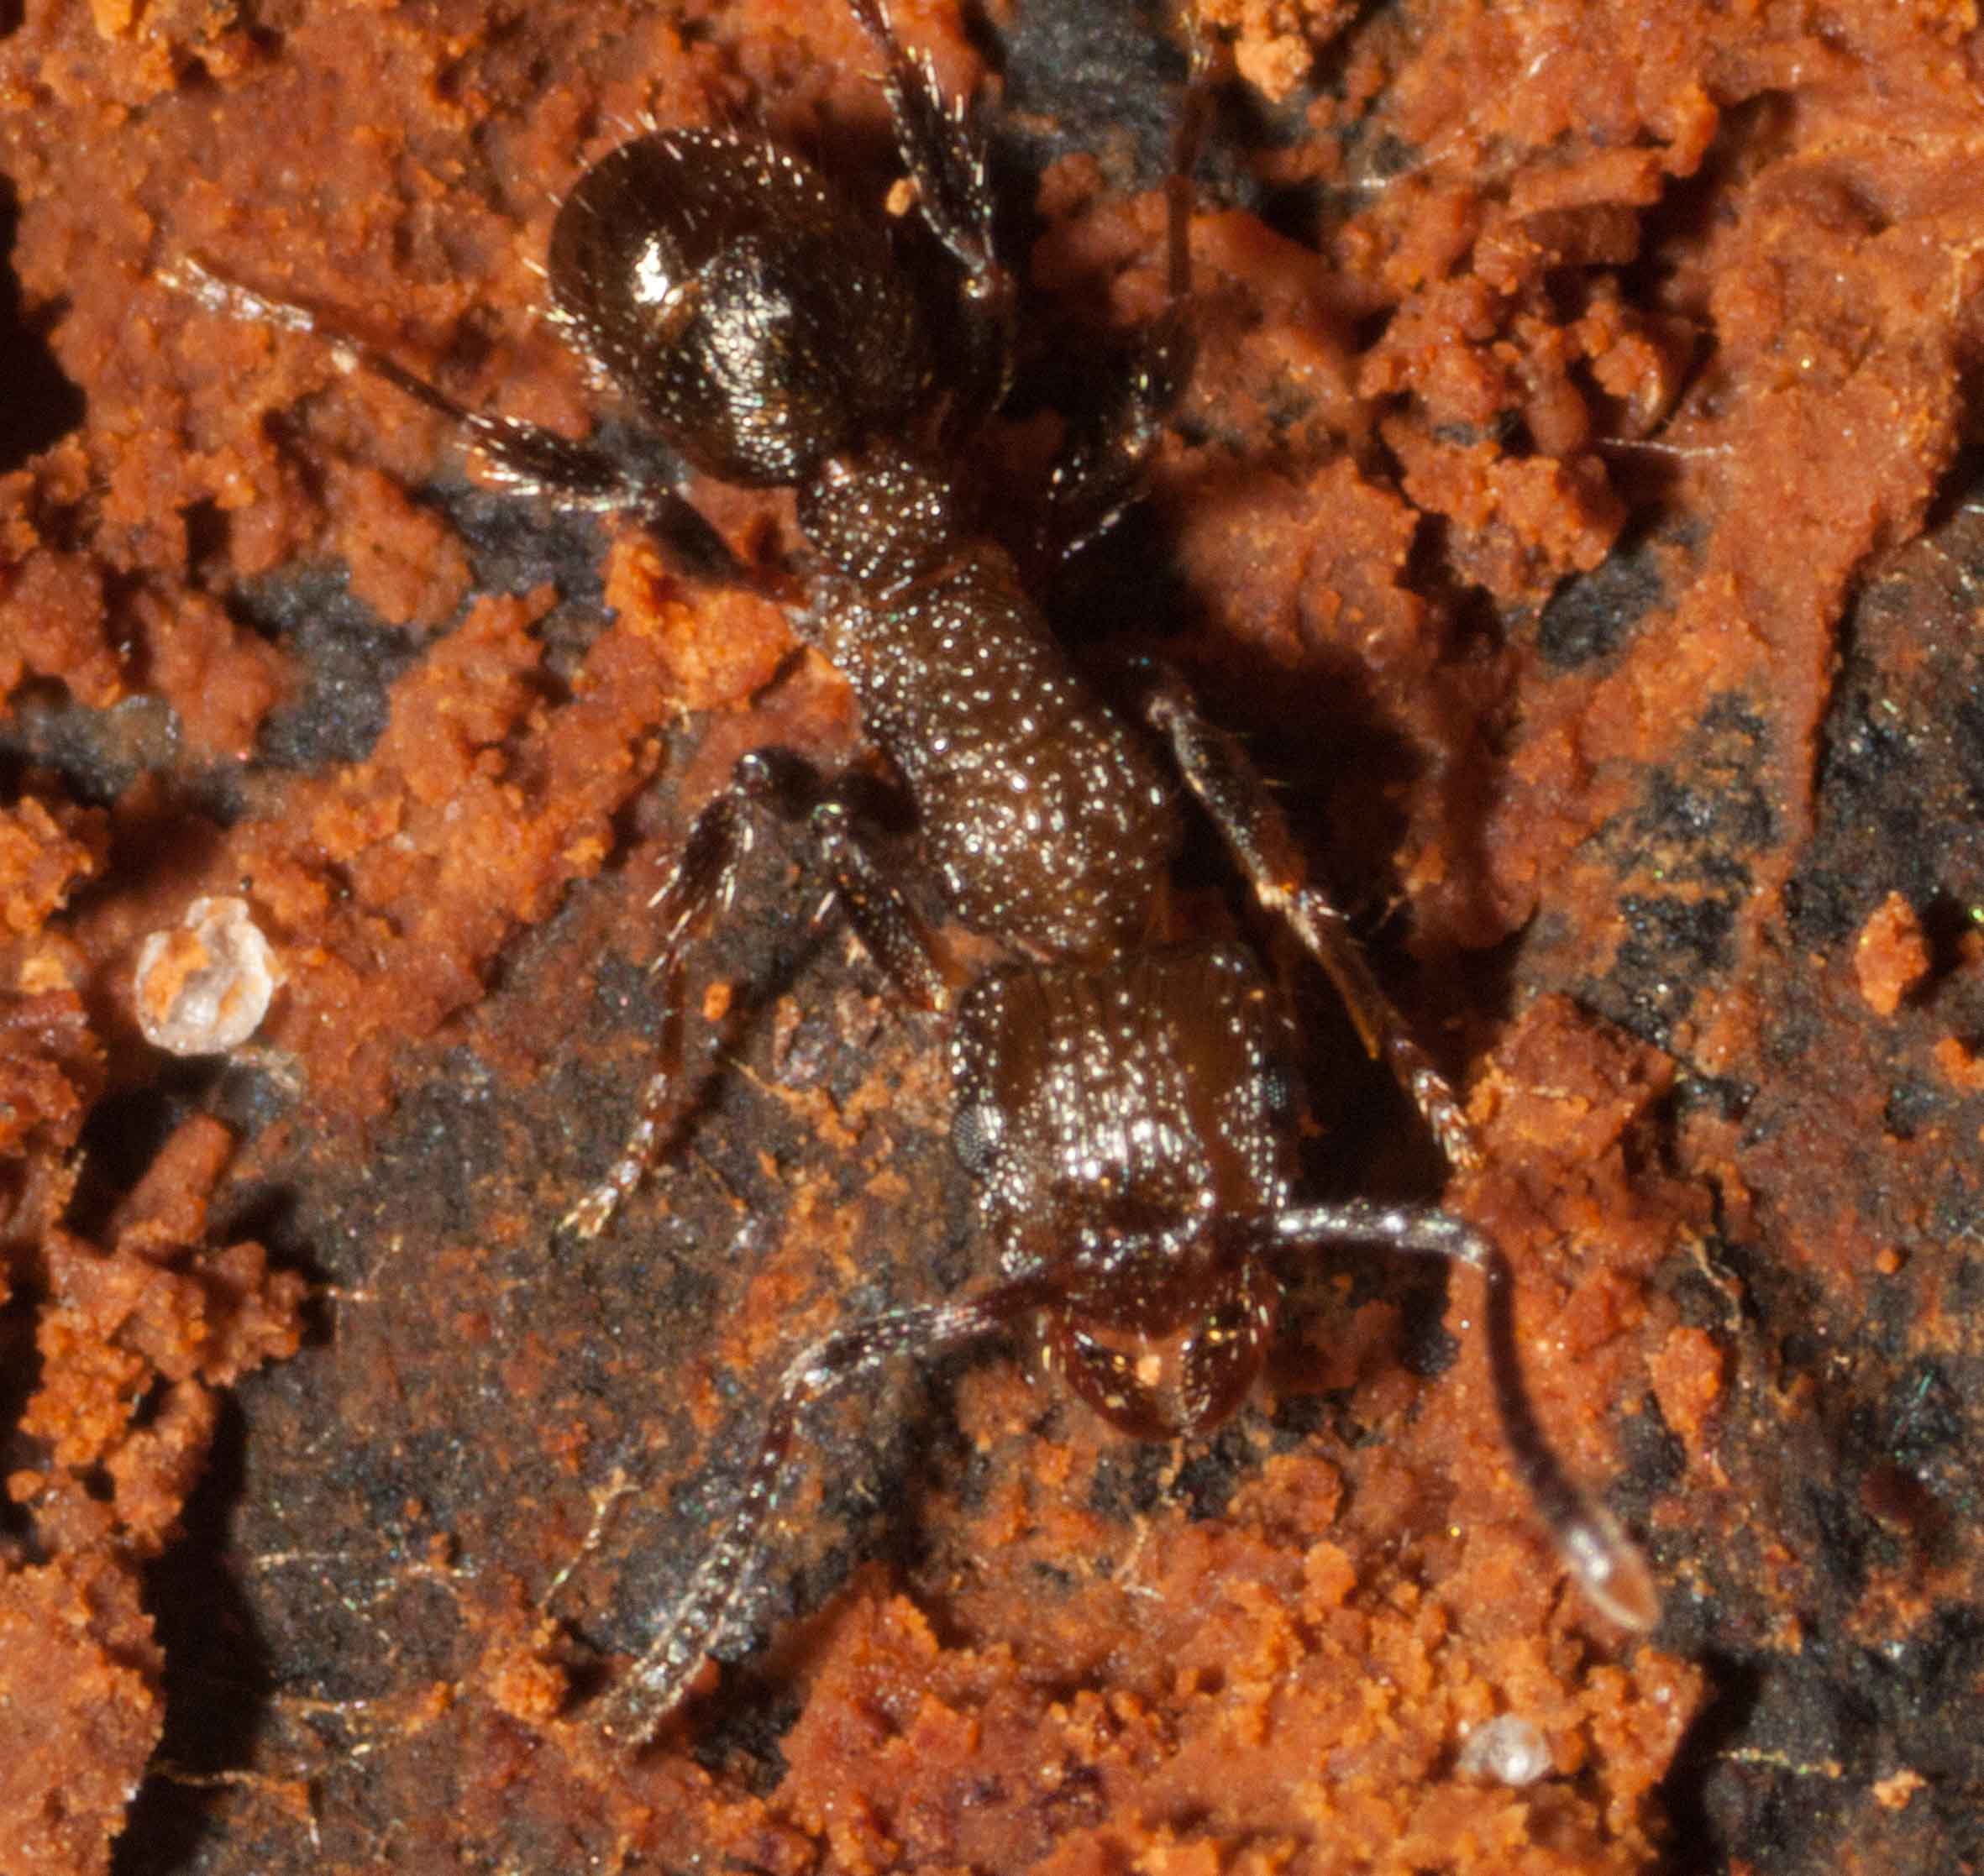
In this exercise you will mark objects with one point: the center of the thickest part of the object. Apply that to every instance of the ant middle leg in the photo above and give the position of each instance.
(700, 890)
(1230, 788)
(1607, 1563)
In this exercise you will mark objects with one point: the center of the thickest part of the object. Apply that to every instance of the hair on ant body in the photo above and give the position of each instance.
(1121, 1091)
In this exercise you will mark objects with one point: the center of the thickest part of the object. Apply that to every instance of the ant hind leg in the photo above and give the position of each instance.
(942, 148)
(1099, 469)
(530, 458)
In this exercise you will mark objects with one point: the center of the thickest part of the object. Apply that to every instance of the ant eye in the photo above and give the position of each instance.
(1278, 1094)
(977, 1132)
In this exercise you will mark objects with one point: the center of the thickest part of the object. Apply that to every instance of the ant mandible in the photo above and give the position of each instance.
(1120, 1098)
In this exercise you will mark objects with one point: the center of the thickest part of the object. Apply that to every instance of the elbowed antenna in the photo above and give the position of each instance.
(1609, 1566)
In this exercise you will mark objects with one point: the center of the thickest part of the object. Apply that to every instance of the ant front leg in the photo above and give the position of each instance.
(700, 890)
(1607, 1563)
(1256, 834)
(528, 458)
(659, 1680)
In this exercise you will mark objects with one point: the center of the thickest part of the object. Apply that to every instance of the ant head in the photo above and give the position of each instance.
(1164, 1346)
(755, 320)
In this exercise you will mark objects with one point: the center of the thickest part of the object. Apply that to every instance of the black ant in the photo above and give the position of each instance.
(1120, 1098)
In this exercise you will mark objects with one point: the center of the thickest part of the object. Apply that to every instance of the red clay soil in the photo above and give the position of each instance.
(1577, 504)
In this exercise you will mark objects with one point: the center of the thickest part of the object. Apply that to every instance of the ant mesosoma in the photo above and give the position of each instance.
(1120, 1099)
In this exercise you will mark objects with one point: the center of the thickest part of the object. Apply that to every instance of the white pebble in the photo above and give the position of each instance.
(205, 987)
(1507, 1749)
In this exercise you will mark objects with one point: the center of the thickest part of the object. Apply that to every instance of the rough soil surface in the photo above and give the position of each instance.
(1579, 507)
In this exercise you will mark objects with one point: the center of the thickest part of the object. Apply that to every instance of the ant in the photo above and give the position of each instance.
(1122, 1100)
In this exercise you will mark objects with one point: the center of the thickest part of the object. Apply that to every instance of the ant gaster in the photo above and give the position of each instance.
(1119, 1095)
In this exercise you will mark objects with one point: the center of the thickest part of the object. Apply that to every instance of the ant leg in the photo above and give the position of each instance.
(659, 1680)
(700, 889)
(1607, 1563)
(943, 150)
(1230, 790)
(1099, 470)
(527, 457)
(891, 933)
